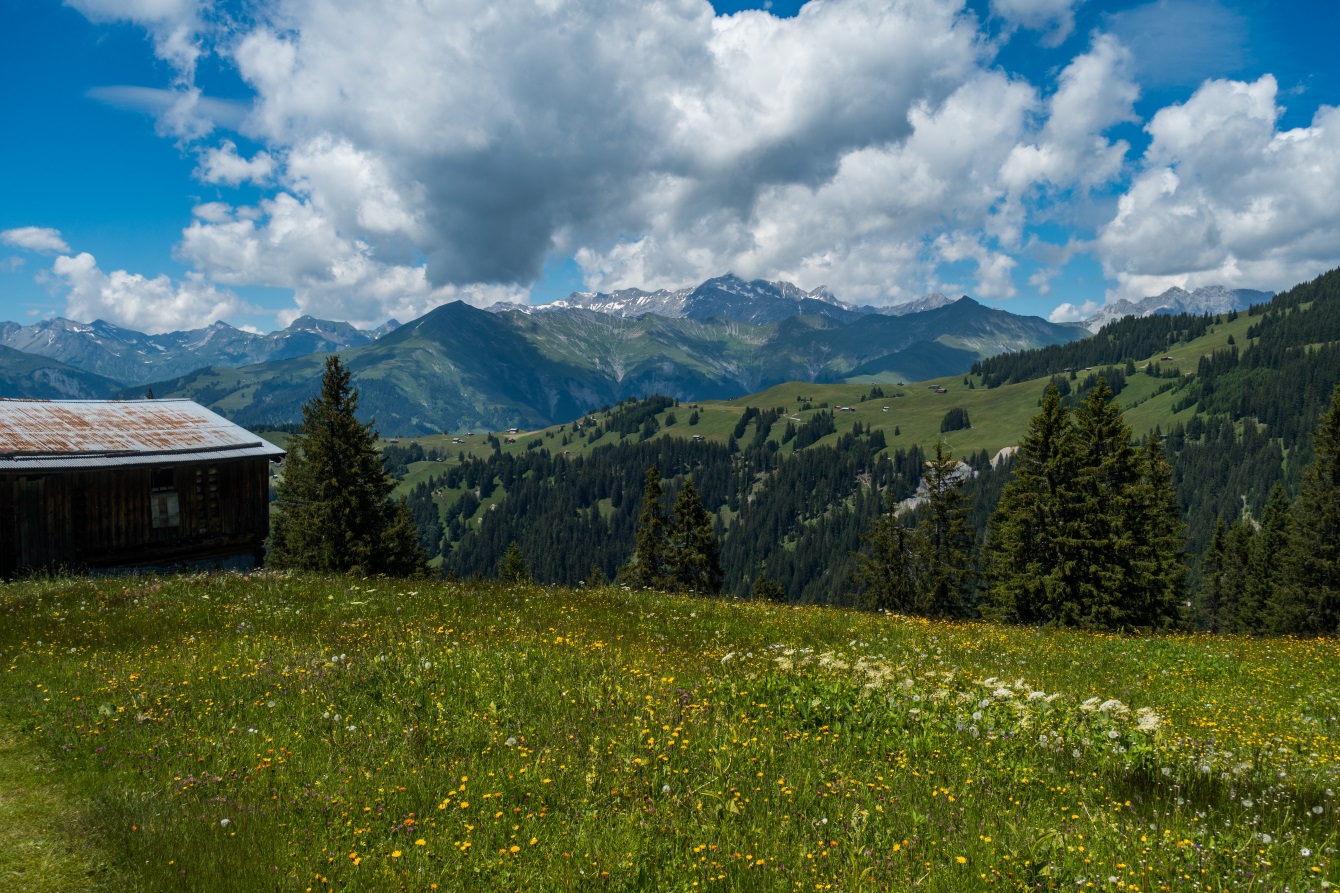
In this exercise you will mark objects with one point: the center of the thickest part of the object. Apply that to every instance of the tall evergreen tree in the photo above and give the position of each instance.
(1155, 598)
(1108, 567)
(1311, 603)
(1264, 567)
(692, 559)
(335, 508)
(1027, 559)
(1209, 608)
(647, 569)
(1088, 533)
(943, 540)
(884, 565)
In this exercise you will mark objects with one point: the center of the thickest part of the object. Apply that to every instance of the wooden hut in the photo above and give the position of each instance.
(104, 484)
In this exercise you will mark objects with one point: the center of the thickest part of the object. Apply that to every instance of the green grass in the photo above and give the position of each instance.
(284, 732)
(47, 843)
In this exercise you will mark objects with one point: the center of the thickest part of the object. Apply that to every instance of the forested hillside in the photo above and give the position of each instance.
(795, 476)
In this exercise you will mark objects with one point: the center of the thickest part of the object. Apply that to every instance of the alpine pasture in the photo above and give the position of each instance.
(282, 732)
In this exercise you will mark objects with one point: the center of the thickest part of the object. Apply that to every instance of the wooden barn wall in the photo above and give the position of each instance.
(103, 517)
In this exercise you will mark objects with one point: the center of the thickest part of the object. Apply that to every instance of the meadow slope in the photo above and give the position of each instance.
(295, 733)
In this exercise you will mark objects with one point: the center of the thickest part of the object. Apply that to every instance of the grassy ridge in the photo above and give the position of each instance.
(290, 733)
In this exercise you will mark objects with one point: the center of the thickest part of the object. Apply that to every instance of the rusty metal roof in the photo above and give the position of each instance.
(53, 434)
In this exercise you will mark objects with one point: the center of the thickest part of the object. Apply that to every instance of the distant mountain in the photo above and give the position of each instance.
(32, 377)
(1208, 299)
(932, 301)
(757, 301)
(134, 358)
(460, 367)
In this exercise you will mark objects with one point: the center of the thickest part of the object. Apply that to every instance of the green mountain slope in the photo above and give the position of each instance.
(25, 375)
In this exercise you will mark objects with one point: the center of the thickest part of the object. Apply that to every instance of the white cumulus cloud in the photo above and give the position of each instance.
(36, 238)
(1225, 197)
(1073, 312)
(223, 165)
(131, 300)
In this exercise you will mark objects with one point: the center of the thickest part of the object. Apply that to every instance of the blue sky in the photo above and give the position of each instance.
(170, 162)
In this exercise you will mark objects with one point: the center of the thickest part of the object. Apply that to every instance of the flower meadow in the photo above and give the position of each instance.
(279, 732)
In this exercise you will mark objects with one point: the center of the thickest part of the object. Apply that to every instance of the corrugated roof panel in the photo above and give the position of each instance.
(116, 432)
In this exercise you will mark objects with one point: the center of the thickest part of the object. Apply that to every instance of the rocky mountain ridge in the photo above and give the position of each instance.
(1206, 299)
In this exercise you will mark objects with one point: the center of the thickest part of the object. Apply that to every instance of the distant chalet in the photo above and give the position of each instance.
(112, 484)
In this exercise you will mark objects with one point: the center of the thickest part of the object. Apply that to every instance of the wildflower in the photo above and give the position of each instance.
(395, 854)
(225, 822)
(510, 742)
(420, 842)
(665, 789)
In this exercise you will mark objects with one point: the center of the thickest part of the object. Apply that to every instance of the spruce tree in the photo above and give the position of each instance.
(1264, 566)
(1027, 555)
(1107, 568)
(1160, 579)
(335, 508)
(884, 565)
(692, 559)
(647, 569)
(1211, 596)
(766, 589)
(943, 541)
(512, 567)
(1311, 602)
(1089, 532)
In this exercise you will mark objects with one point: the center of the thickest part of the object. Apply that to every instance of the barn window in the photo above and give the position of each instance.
(166, 508)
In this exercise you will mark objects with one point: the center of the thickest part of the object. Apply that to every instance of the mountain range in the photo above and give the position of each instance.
(128, 357)
(756, 301)
(1208, 299)
(460, 367)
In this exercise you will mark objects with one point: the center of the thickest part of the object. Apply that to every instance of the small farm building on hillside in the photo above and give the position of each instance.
(132, 483)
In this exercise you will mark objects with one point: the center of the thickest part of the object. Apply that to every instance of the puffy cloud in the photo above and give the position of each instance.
(36, 238)
(1094, 93)
(224, 165)
(1224, 197)
(1056, 17)
(131, 300)
(286, 242)
(1073, 313)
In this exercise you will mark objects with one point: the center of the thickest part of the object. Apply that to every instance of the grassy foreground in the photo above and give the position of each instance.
(292, 733)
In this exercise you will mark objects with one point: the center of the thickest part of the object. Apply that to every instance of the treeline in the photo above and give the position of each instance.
(1125, 339)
